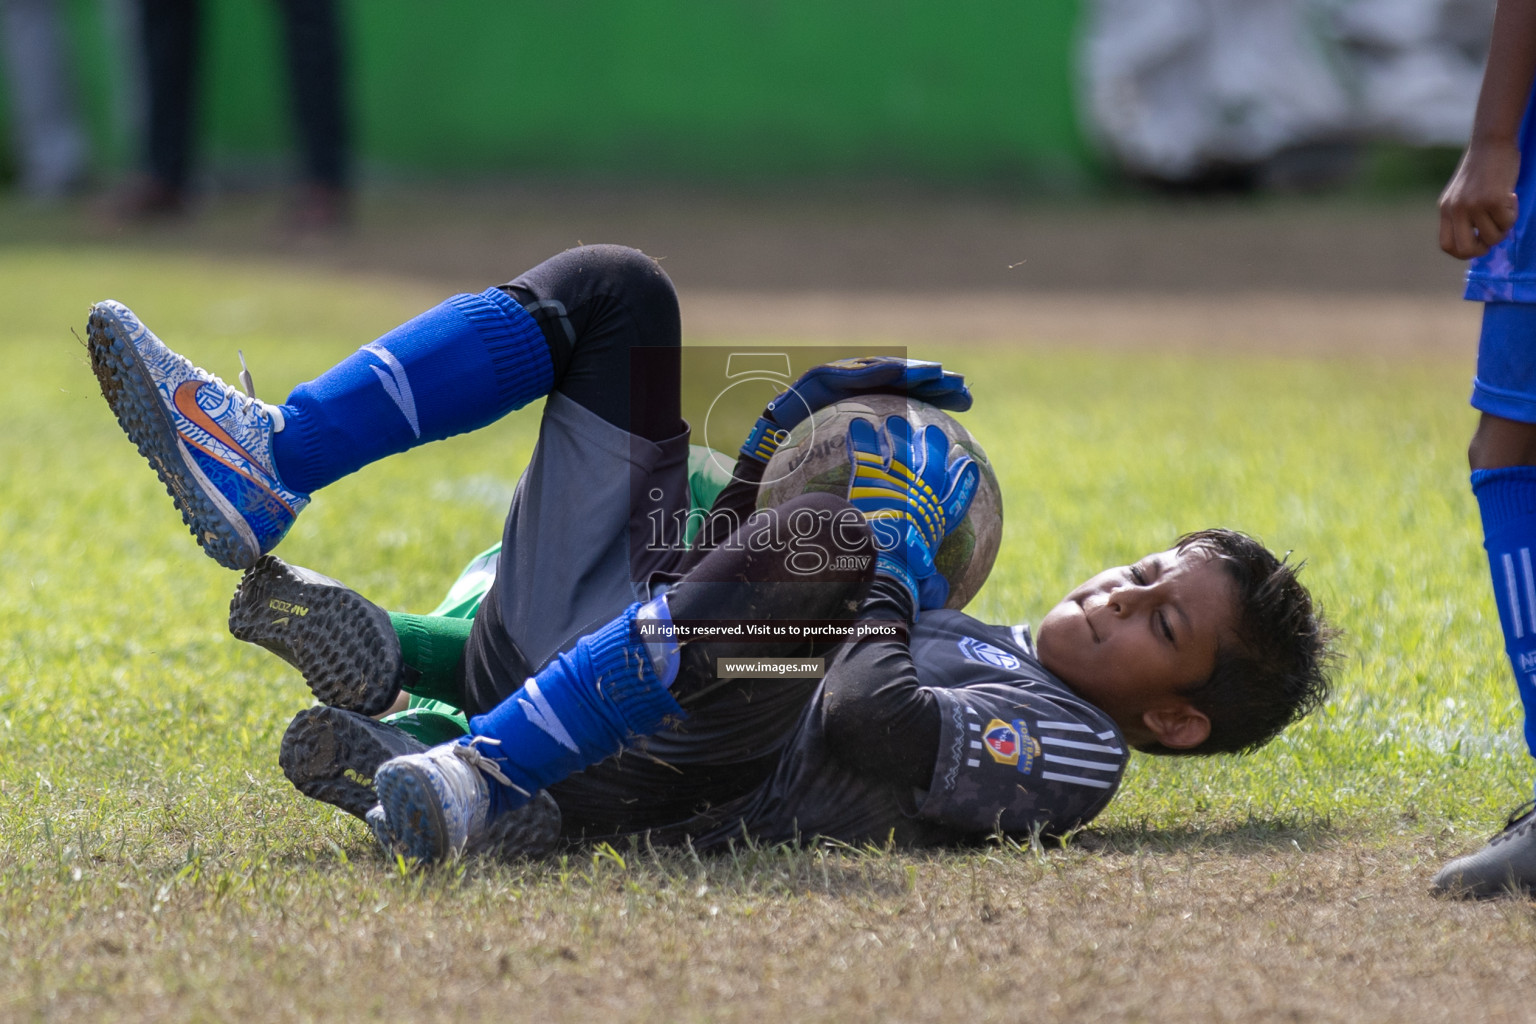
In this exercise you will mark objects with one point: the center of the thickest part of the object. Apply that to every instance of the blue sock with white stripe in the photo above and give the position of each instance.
(584, 707)
(1507, 500)
(459, 366)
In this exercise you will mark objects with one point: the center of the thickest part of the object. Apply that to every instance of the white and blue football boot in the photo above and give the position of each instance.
(210, 444)
(381, 831)
(524, 833)
(438, 802)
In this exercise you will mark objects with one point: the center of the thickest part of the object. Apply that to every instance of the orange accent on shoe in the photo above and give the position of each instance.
(226, 464)
(186, 404)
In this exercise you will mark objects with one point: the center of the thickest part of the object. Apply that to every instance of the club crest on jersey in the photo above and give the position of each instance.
(1029, 747)
(976, 650)
(1002, 741)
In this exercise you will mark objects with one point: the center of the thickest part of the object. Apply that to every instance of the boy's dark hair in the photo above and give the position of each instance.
(1273, 669)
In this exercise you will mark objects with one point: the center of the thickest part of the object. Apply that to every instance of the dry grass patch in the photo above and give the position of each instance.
(1253, 923)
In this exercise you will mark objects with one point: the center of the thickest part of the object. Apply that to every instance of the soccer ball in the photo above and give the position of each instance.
(815, 458)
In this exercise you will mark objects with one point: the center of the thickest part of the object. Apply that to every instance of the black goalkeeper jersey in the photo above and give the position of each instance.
(1018, 751)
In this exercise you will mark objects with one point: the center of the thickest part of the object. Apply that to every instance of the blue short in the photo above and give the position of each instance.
(1505, 384)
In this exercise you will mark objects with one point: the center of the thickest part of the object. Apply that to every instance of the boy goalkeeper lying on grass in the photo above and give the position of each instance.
(593, 710)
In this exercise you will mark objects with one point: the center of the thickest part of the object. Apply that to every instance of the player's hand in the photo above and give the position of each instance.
(830, 383)
(1478, 207)
(912, 495)
(824, 385)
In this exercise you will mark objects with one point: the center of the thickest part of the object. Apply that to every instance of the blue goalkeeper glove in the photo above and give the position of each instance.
(830, 383)
(912, 497)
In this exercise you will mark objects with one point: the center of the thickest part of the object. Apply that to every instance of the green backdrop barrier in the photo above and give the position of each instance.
(715, 89)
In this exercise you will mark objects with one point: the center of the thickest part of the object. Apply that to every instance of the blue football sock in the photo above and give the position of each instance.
(457, 367)
(584, 707)
(1507, 500)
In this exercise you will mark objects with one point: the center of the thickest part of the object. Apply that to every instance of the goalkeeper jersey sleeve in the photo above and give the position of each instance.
(1018, 752)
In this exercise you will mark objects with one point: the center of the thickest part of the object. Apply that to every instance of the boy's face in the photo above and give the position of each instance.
(1131, 638)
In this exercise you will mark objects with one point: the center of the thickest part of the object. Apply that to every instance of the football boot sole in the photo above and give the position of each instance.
(342, 643)
(331, 755)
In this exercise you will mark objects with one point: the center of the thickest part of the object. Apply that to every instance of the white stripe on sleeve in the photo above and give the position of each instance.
(1077, 780)
(1052, 741)
(1105, 766)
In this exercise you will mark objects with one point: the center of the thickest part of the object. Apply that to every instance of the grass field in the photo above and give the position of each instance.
(154, 864)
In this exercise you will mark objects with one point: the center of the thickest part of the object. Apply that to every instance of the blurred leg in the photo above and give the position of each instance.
(317, 74)
(171, 51)
(317, 94)
(50, 140)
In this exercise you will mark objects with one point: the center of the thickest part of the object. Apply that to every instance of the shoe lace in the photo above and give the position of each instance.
(471, 754)
(246, 380)
(247, 407)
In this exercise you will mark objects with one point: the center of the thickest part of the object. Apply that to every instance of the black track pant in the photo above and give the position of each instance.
(609, 316)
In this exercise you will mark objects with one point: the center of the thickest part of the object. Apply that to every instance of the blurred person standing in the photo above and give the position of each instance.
(1486, 216)
(45, 123)
(316, 71)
